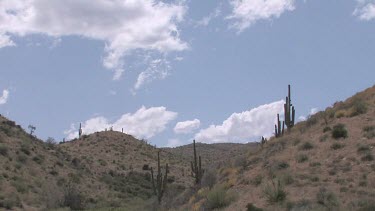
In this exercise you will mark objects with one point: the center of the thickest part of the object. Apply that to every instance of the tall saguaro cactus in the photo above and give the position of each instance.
(289, 111)
(196, 167)
(80, 131)
(161, 183)
(279, 129)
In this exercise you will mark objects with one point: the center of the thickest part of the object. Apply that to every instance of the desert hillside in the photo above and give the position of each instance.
(323, 163)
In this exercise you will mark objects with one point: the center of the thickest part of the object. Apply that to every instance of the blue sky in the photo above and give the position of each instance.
(171, 71)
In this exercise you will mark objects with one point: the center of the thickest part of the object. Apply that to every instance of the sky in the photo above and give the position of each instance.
(177, 70)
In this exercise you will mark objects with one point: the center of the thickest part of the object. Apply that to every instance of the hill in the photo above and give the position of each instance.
(323, 163)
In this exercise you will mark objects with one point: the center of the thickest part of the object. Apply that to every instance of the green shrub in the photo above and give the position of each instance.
(368, 157)
(336, 146)
(363, 149)
(38, 159)
(326, 129)
(306, 146)
(282, 165)
(3, 150)
(252, 207)
(218, 197)
(359, 107)
(22, 158)
(302, 158)
(327, 198)
(20, 186)
(73, 198)
(25, 149)
(274, 192)
(209, 179)
(369, 132)
(339, 131)
(314, 164)
(257, 180)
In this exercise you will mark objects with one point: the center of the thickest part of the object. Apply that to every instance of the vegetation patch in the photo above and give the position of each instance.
(306, 146)
(339, 131)
(3, 150)
(219, 197)
(369, 131)
(336, 146)
(301, 158)
(274, 192)
(327, 198)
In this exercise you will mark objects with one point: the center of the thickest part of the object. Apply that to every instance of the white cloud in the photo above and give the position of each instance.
(124, 25)
(4, 97)
(314, 111)
(144, 123)
(174, 143)
(5, 41)
(207, 19)
(247, 12)
(365, 10)
(245, 126)
(157, 69)
(302, 118)
(187, 126)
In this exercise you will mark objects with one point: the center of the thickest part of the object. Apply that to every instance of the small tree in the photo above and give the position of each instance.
(32, 129)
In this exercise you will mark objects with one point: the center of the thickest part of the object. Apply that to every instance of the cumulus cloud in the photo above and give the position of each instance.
(157, 69)
(144, 123)
(124, 25)
(365, 10)
(247, 12)
(187, 126)
(4, 97)
(174, 143)
(312, 112)
(243, 127)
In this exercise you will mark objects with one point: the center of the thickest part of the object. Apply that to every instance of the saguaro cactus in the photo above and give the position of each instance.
(196, 167)
(279, 129)
(161, 183)
(80, 131)
(289, 111)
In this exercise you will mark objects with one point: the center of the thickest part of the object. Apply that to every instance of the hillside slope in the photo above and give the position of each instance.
(314, 166)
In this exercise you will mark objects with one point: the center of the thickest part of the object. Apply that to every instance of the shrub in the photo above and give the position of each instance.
(314, 164)
(240, 162)
(337, 146)
(306, 146)
(73, 198)
(38, 159)
(25, 149)
(257, 180)
(274, 192)
(312, 120)
(3, 150)
(302, 158)
(368, 157)
(326, 129)
(339, 131)
(218, 197)
(252, 207)
(327, 198)
(363, 149)
(209, 179)
(22, 158)
(282, 165)
(359, 107)
(369, 132)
